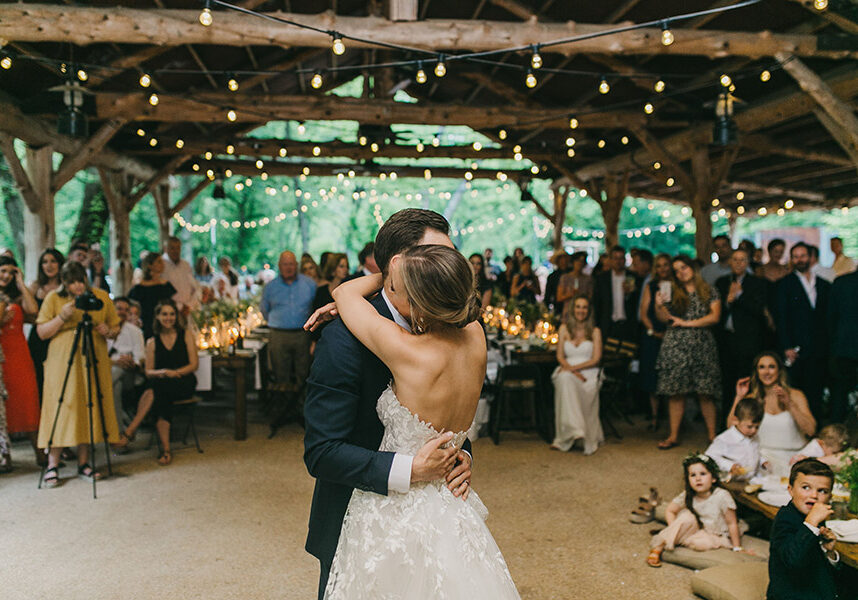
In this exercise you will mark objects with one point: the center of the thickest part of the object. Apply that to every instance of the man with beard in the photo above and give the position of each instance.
(801, 318)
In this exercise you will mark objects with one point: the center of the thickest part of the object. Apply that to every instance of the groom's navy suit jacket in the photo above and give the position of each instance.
(343, 430)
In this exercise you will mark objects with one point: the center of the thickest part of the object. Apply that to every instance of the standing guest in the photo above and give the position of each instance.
(688, 360)
(817, 268)
(323, 259)
(603, 264)
(802, 555)
(653, 335)
(525, 285)
(492, 268)
(179, 273)
(774, 269)
(366, 259)
(504, 280)
(96, 272)
(742, 329)
(47, 280)
(576, 380)
(151, 290)
(5, 442)
(286, 303)
(574, 282)
(843, 328)
(310, 269)
(719, 268)
(22, 404)
(171, 360)
(334, 272)
(561, 260)
(842, 264)
(518, 256)
(127, 353)
(615, 297)
(484, 286)
(79, 253)
(642, 264)
(57, 321)
(749, 247)
(226, 282)
(203, 272)
(802, 327)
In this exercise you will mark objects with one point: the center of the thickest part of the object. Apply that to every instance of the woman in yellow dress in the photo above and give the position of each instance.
(57, 321)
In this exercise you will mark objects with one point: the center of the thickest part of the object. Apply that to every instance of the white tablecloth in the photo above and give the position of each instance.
(204, 370)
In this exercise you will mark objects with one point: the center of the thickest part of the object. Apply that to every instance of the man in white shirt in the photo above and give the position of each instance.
(181, 275)
(127, 354)
(711, 272)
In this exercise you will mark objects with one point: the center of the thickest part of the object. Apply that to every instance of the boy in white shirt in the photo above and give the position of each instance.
(827, 446)
(737, 450)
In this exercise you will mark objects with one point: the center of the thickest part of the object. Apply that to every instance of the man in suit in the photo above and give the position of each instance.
(561, 262)
(843, 327)
(742, 328)
(802, 327)
(802, 558)
(343, 431)
(616, 292)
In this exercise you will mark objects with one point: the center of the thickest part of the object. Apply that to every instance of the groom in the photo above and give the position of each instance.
(343, 431)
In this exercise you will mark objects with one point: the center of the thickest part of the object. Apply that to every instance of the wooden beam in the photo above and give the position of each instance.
(190, 195)
(766, 145)
(775, 190)
(516, 8)
(89, 25)
(619, 12)
(846, 141)
(843, 22)
(72, 163)
(161, 197)
(402, 10)
(156, 180)
(211, 107)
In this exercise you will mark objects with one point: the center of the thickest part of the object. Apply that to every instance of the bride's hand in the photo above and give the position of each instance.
(459, 479)
(433, 462)
(321, 315)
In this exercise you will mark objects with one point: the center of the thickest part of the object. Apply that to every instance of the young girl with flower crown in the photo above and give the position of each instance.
(703, 517)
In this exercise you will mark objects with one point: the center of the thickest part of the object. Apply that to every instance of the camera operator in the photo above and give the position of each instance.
(58, 318)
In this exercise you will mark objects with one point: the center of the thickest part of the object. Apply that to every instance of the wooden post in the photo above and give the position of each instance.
(561, 196)
(161, 195)
(616, 189)
(39, 225)
(117, 191)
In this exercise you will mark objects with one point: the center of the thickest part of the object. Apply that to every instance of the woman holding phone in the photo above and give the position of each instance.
(688, 360)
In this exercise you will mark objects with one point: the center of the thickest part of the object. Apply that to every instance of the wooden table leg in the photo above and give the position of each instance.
(240, 403)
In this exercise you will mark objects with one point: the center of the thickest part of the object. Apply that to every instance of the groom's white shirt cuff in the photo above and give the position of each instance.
(399, 479)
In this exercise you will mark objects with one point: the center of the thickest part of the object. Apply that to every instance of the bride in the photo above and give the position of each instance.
(426, 543)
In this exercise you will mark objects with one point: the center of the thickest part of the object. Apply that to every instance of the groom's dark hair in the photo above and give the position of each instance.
(403, 230)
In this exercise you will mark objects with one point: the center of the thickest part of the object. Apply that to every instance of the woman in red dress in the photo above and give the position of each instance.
(19, 375)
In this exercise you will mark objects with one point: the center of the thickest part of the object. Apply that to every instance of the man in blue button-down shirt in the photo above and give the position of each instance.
(287, 301)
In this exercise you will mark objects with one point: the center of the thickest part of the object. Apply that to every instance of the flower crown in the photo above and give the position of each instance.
(697, 456)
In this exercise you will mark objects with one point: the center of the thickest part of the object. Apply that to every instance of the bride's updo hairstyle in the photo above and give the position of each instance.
(439, 284)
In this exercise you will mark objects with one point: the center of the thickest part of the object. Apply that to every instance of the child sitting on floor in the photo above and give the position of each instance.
(703, 517)
(736, 451)
(802, 555)
(827, 446)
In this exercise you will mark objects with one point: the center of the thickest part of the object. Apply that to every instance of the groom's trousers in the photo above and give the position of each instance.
(325, 570)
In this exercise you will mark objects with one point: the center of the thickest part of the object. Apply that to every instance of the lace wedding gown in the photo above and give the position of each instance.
(426, 544)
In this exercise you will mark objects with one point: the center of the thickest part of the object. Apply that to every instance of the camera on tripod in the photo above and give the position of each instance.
(88, 302)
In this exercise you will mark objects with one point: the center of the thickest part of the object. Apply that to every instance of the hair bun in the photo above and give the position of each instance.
(473, 311)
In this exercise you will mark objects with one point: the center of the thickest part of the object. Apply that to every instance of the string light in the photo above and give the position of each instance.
(725, 80)
(153, 142)
(820, 5)
(740, 210)
(153, 100)
(573, 123)
(659, 86)
(436, 141)
(141, 132)
(536, 58)
(604, 87)
(570, 152)
(362, 140)
(762, 211)
(231, 115)
(145, 80)
(715, 202)
(208, 155)
(316, 81)
(232, 84)
(648, 108)
(82, 75)
(206, 18)
(670, 181)
(6, 62)
(789, 204)
(530, 79)
(570, 141)
(765, 75)
(601, 143)
(421, 74)
(477, 146)
(624, 140)
(259, 164)
(230, 149)
(316, 151)
(337, 45)
(666, 34)
(740, 195)
(440, 67)
(374, 147)
(180, 143)
(283, 152)
(502, 134)
(656, 165)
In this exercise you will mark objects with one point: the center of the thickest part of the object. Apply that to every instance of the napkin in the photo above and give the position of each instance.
(846, 531)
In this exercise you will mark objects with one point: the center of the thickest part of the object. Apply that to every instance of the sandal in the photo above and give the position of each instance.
(87, 473)
(125, 440)
(667, 444)
(645, 511)
(654, 558)
(51, 478)
(165, 459)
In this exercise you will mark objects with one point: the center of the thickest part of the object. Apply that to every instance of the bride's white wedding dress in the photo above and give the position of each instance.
(426, 544)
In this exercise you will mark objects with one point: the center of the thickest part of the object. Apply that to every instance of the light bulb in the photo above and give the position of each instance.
(502, 134)
(373, 147)
(570, 141)
(145, 80)
(231, 115)
(666, 34)
(440, 67)
(362, 140)
(820, 4)
(259, 164)
(206, 17)
(316, 151)
(604, 88)
(230, 149)
(573, 123)
(536, 59)
(765, 76)
(82, 75)
(725, 80)
(337, 45)
(530, 80)
(659, 86)
(601, 143)
(570, 152)
(6, 62)
(283, 152)
(153, 142)
(153, 99)
(180, 143)
(141, 132)
(208, 155)
(232, 84)
(421, 74)
(316, 81)
(648, 108)
(624, 140)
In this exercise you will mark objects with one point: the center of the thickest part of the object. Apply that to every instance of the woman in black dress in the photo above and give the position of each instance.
(653, 333)
(171, 360)
(334, 272)
(47, 280)
(484, 286)
(151, 290)
(525, 285)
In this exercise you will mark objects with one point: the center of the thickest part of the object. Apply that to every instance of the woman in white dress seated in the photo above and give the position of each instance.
(576, 380)
(787, 421)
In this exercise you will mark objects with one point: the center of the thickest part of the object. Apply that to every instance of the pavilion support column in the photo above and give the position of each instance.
(615, 188)
(161, 194)
(561, 197)
(117, 192)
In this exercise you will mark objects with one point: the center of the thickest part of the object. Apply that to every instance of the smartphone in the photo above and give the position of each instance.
(665, 288)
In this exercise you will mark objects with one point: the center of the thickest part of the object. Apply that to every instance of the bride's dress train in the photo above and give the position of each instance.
(426, 544)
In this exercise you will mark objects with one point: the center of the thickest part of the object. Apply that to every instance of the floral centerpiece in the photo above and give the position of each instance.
(222, 323)
(528, 321)
(847, 474)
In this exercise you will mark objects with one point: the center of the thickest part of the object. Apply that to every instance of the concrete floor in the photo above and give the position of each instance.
(230, 523)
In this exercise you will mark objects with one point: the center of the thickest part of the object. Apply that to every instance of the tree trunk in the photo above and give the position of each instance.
(39, 226)
(93, 216)
(14, 206)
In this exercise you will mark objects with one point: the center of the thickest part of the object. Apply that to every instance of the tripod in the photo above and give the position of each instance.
(83, 339)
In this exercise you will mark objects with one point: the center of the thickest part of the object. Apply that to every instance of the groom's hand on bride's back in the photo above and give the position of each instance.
(321, 315)
(433, 462)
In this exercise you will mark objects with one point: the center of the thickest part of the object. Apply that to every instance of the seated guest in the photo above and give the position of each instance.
(801, 551)
(574, 282)
(484, 286)
(828, 446)
(226, 281)
(525, 286)
(742, 329)
(737, 450)
(127, 354)
(151, 290)
(134, 313)
(576, 380)
(787, 421)
(203, 270)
